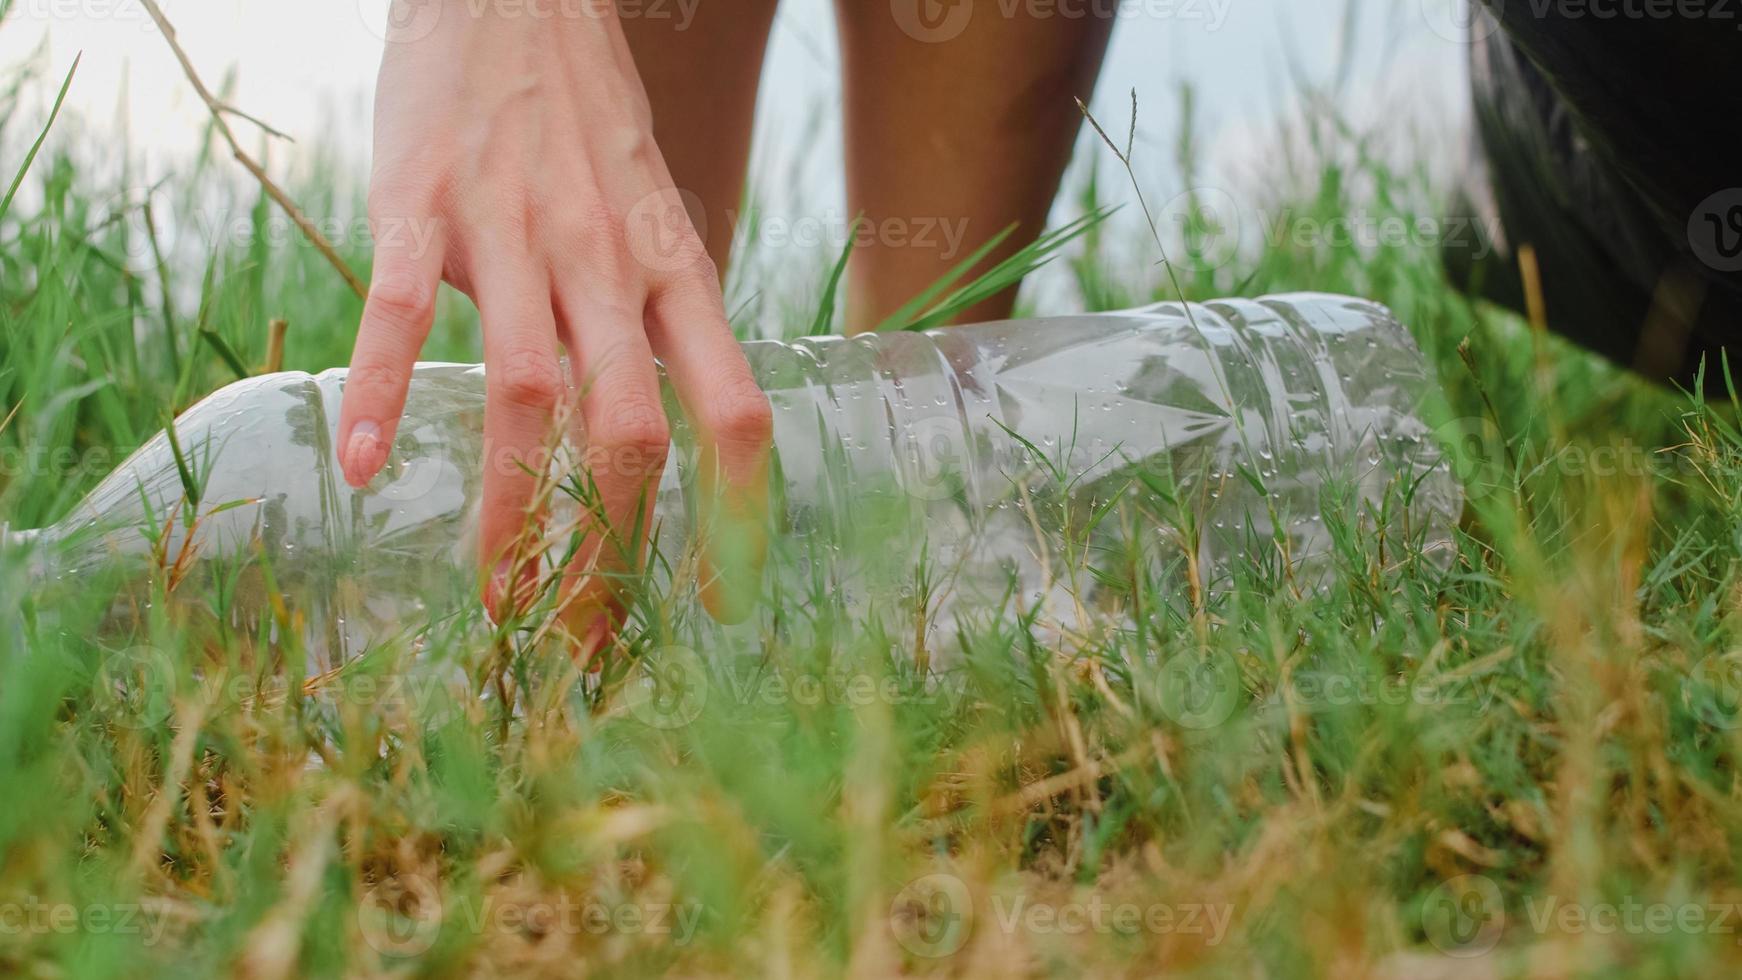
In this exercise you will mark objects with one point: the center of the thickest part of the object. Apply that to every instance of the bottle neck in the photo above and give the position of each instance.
(34, 543)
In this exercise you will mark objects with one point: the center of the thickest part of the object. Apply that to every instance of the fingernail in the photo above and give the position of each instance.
(364, 453)
(500, 597)
(593, 643)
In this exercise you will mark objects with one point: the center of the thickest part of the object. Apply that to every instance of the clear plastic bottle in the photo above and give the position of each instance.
(977, 452)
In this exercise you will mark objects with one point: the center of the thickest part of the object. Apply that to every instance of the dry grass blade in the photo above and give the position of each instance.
(219, 110)
(275, 331)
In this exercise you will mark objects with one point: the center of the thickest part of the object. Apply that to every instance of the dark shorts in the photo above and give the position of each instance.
(1609, 131)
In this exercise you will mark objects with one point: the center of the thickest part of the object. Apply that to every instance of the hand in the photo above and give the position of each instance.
(525, 143)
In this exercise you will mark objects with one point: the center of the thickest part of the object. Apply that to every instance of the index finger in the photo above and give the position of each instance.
(396, 321)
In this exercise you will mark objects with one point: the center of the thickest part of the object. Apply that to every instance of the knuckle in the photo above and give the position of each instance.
(635, 423)
(401, 192)
(499, 215)
(513, 217)
(373, 376)
(662, 236)
(597, 217)
(695, 267)
(402, 302)
(595, 239)
(530, 379)
(740, 415)
(612, 307)
(682, 256)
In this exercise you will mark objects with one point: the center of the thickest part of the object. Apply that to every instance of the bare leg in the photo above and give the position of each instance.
(701, 66)
(956, 129)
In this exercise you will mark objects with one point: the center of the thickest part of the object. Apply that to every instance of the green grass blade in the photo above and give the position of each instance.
(902, 318)
(1008, 272)
(190, 483)
(30, 157)
(226, 352)
(822, 322)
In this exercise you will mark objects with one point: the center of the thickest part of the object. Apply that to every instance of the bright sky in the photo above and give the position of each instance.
(308, 67)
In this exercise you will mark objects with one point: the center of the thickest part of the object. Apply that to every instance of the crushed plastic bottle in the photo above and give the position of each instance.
(1216, 431)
